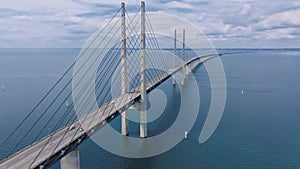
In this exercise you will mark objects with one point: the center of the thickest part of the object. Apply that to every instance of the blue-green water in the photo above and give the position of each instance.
(259, 129)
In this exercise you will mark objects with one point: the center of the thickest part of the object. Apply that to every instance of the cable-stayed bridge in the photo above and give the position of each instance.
(68, 130)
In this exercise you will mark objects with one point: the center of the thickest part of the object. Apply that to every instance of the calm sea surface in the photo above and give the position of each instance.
(259, 129)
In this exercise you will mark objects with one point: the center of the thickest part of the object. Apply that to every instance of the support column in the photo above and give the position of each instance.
(183, 57)
(174, 63)
(71, 160)
(124, 121)
(143, 118)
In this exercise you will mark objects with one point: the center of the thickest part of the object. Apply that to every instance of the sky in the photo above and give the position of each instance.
(227, 23)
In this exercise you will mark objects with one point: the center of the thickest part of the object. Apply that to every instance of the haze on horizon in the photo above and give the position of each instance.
(228, 23)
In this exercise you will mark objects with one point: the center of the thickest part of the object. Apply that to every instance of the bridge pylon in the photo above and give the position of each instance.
(175, 51)
(143, 114)
(124, 121)
(183, 57)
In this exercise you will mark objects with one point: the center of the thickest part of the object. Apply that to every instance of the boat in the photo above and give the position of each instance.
(185, 134)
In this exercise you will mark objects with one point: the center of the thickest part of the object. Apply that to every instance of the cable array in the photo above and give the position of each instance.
(51, 111)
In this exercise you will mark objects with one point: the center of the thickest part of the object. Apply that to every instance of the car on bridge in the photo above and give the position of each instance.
(72, 127)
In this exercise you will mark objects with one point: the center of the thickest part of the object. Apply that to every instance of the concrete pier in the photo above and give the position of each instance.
(183, 57)
(143, 118)
(174, 62)
(71, 160)
(124, 121)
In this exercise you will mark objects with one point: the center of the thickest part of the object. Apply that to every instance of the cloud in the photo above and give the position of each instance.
(246, 9)
(36, 4)
(67, 23)
(4, 13)
(287, 19)
(178, 5)
(279, 34)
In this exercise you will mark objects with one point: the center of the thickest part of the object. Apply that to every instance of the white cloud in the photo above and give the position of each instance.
(54, 23)
(279, 34)
(246, 9)
(280, 20)
(215, 28)
(38, 4)
(22, 17)
(176, 4)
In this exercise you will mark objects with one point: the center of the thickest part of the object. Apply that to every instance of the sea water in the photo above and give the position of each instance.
(259, 128)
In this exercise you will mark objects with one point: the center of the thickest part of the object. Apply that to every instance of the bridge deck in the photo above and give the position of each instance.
(53, 147)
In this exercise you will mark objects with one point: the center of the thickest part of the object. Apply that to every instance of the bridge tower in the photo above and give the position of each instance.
(175, 50)
(183, 57)
(124, 121)
(143, 114)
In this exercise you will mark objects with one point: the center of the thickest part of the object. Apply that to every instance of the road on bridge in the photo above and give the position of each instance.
(55, 144)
